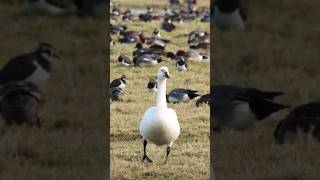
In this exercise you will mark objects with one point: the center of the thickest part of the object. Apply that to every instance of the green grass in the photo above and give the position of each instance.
(71, 144)
(190, 153)
(279, 51)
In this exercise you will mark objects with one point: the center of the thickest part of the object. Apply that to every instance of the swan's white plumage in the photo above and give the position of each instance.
(160, 124)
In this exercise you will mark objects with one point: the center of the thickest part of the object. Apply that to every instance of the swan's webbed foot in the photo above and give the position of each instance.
(146, 159)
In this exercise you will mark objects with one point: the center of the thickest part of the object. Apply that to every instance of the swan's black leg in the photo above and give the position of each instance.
(168, 152)
(145, 158)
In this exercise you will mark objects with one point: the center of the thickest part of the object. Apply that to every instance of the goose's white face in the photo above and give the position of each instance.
(163, 73)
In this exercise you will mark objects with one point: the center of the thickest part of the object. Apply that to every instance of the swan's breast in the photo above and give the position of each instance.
(160, 125)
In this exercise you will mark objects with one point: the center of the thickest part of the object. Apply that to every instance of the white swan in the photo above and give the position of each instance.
(159, 124)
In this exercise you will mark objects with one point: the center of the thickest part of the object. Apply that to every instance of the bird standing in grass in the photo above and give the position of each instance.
(119, 83)
(181, 95)
(152, 85)
(181, 64)
(159, 124)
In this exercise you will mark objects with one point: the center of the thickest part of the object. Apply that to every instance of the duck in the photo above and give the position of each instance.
(230, 15)
(140, 50)
(147, 60)
(149, 15)
(239, 108)
(119, 82)
(192, 55)
(197, 36)
(204, 99)
(34, 66)
(129, 36)
(180, 95)
(159, 124)
(153, 42)
(305, 117)
(20, 103)
(152, 85)
(117, 28)
(124, 60)
(181, 64)
(116, 94)
(167, 25)
(201, 45)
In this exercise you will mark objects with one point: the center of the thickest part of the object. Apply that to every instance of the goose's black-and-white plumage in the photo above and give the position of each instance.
(305, 118)
(124, 60)
(152, 85)
(159, 124)
(204, 99)
(181, 95)
(229, 14)
(20, 103)
(181, 64)
(239, 108)
(51, 7)
(34, 67)
(147, 60)
(116, 94)
(119, 83)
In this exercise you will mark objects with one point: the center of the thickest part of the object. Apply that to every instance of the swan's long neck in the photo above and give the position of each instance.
(161, 94)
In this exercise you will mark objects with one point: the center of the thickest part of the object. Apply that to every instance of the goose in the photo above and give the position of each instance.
(124, 60)
(167, 25)
(198, 36)
(117, 28)
(129, 36)
(152, 85)
(159, 124)
(192, 55)
(181, 64)
(204, 99)
(20, 103)
(239, 108)
(147, 60)
(119, 83)
(305, 117)
(116, 94)
(181, 95)
(201, 45)
(34, 66)
(140, 50)
(230, 14)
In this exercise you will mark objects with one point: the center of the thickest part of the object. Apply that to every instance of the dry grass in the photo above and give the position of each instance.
(278, 51)
(190, 153)
(71, 144)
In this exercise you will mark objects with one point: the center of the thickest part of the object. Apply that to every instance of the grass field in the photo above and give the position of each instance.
(190, 154)
(278, 51)
(71, 144)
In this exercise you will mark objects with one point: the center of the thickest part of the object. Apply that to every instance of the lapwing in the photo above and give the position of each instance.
(124, 60)
(119, 83)
(204, 99)
(51, 7)
(34, 67)
(239, 108)
(156, 33)
(305, 118)
(181, 64)
(152, 85)
(116, 94)
(230, 14)
(20, 103)
(181, 95)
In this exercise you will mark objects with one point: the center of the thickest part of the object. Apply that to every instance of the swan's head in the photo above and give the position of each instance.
(163, 73)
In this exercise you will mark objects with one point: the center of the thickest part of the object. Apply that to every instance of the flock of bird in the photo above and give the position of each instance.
(20, 78)
(239, 108)
(159, 124)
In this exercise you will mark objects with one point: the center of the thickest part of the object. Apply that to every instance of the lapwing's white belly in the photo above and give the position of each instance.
(122, 85)
(39, 75)
(160, 126)
(242, 117)
(228, 21)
